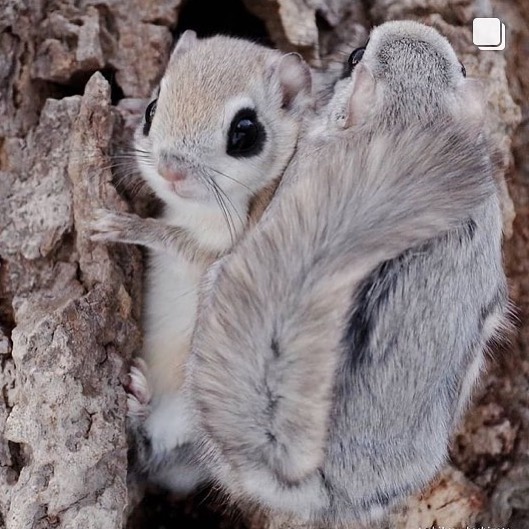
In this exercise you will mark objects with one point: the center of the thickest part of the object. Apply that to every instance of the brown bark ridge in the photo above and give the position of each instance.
(69, 308)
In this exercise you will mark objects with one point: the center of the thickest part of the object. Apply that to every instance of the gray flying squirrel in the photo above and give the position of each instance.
(338, 344)
(216, 137)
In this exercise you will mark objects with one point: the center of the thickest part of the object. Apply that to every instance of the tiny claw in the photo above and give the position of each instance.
(107, 225)
(138, 391)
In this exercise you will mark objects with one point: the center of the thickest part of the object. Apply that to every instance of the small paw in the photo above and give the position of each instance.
(138, 391)
(109, 226)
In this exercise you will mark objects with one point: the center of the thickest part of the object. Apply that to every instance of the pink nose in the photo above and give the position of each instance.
(170, 174)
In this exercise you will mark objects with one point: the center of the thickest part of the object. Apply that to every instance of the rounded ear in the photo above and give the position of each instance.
(472, 100)
(187, 40)
(361, 97)
(294, 78)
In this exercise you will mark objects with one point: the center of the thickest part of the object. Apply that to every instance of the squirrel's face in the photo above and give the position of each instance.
(223, 123)
(406, 73)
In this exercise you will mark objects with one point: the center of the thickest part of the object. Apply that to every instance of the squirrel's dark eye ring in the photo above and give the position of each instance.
(463, 69)
(246, 135)
(149, 115)
(355, 57)
(352, 61)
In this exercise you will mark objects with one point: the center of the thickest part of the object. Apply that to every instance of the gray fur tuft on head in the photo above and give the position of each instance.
(408, 73)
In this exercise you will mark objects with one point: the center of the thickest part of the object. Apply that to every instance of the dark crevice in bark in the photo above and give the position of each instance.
(18, 458)
(322, 23)
(7, 316)
(230, 17)
(157, 511)
(76, 85)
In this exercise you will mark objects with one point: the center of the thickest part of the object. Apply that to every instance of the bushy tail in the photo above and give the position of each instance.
(406, 188)
(268, 335)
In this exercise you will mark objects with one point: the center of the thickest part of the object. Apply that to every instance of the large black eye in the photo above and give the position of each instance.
(246, 136)
(353, 60)
(463, 69)
(356, 57)
(149, 114)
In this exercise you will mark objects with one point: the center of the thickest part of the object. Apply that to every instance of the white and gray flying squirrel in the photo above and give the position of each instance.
(220, 130)
(338, 344)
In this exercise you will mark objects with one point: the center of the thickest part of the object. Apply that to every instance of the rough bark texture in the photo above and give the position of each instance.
(69, 308)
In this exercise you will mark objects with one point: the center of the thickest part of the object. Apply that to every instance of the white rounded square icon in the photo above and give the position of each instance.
(488, 33)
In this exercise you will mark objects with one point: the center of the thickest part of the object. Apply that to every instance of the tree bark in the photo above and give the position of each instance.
(71, 74)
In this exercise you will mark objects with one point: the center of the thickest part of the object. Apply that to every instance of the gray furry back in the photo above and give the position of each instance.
(290, 419)
(339, 342)
(414, 345)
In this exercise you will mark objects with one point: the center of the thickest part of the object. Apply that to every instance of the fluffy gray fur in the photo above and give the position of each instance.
(338, 344)
(206, 83)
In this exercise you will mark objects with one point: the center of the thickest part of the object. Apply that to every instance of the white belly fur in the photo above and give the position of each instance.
(169, 316)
